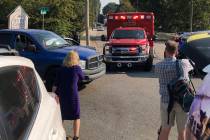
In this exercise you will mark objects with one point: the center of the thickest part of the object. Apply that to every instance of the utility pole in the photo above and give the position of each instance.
(43, 22)
(137, 3)
(87, 23)
(191, 16)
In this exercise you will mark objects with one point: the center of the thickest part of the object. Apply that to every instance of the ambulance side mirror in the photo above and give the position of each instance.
(154, 38)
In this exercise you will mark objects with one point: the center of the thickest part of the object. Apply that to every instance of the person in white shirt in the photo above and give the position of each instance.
(198, 126)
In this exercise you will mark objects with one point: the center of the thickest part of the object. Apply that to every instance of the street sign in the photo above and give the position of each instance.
(44, 10)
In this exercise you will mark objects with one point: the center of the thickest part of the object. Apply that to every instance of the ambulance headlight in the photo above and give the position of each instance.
(82, 64)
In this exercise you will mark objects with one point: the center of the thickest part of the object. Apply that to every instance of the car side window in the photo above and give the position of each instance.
(19, 101)
(75, 42)
(5, 38)
(23, 43)
(71, 43)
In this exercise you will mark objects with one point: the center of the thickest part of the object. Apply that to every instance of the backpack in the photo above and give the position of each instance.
(179, 90)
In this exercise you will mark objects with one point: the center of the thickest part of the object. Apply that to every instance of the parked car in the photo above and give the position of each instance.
(7, 51)
(27, 111)
(185, 35)
(197, 48)
(100, 28)
(71, 41)
(47, 51)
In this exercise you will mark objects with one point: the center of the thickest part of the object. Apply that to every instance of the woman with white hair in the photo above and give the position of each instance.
(198, 126)
(66, 87)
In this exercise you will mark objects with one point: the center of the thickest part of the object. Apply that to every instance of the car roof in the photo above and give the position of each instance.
(198, 36)
(186, 35)
(14, 61)
(132, 13)
(129, 28)
(28, 31)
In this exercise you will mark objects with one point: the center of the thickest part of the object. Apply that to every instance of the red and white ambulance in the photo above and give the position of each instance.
(131, 38)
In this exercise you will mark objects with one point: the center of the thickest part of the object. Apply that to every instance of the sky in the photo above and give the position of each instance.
(105, 2)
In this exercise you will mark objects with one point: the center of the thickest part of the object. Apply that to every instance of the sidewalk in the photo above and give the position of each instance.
(95, 39)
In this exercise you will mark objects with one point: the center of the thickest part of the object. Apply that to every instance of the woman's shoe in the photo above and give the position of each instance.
(68, 138)
(75, 138)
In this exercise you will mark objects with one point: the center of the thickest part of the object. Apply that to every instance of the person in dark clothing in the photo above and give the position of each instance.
(66, 87)
(76, 36)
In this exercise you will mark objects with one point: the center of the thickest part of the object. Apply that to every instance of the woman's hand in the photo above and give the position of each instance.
(57, 99)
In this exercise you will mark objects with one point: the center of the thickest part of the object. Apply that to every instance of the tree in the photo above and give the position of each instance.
(201, 16)
(95, 6)
(110, 8)
(174, 15)
(125, 6)
(64, 16)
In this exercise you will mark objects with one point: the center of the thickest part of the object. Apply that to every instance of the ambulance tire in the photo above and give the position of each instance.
(149, 64)
(109, 67)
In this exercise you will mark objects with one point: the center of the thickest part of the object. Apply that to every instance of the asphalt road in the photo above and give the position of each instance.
(123, 104)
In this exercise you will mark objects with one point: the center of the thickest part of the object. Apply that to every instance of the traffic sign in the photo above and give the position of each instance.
(44, 10)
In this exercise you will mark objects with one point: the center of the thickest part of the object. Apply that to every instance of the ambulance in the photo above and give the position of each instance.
(130, 40)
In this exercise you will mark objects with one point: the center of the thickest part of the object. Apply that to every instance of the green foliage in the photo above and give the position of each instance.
(95, 6)
(125, 6)
(174, 15)
(201, 16)
(110, 8)
(64, 16)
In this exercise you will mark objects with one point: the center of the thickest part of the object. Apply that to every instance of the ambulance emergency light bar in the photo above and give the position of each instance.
(135, 17)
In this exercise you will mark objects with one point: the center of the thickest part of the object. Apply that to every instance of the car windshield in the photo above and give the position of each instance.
(128, 34)
(50, 40)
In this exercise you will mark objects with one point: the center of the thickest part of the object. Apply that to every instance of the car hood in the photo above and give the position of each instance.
(83, 51)
(127, 41)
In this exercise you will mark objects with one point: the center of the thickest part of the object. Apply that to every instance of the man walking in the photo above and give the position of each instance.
(166, 71)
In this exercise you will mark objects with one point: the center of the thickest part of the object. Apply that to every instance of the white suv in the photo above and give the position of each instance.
(27, 110)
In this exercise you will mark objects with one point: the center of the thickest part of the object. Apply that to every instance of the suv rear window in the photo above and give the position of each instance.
(18, 101)
(5, 38)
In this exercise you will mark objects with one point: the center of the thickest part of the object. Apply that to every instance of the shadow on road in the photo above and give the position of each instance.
(81, 86)
(132, 72)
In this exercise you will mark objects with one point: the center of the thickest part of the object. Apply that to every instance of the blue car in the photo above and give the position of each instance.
(47, 51)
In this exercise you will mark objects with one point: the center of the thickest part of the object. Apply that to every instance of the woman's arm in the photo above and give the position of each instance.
(56, 96)
(81, 74)
(54, 89)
